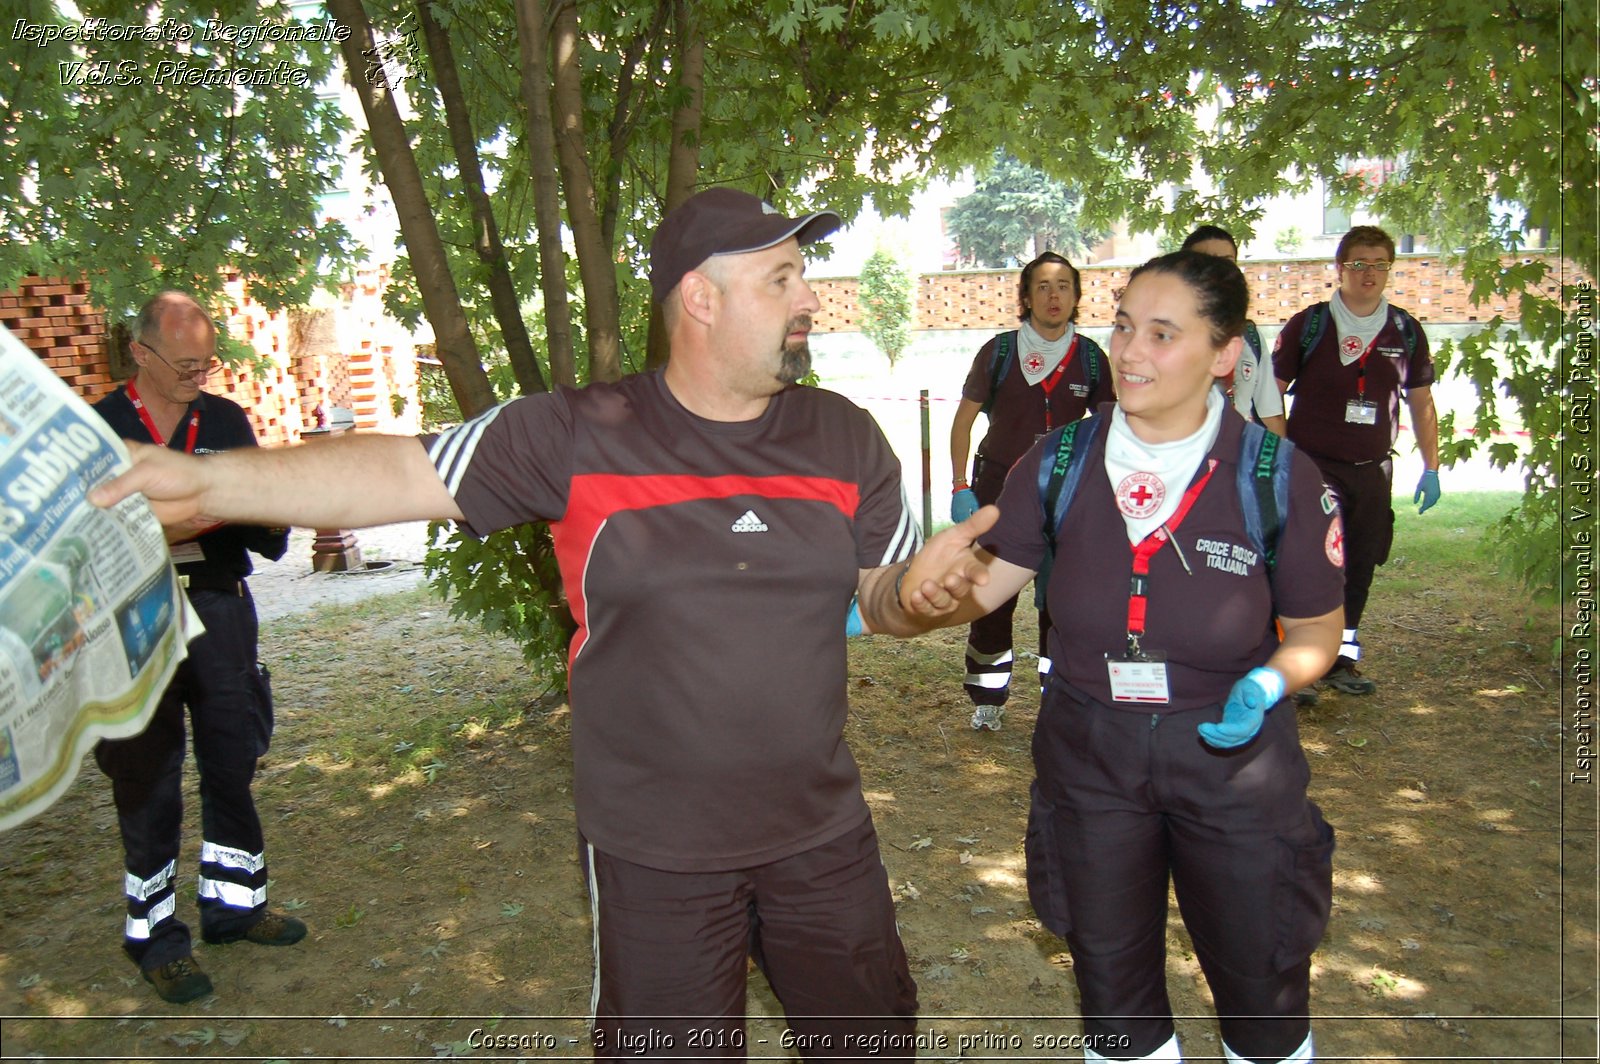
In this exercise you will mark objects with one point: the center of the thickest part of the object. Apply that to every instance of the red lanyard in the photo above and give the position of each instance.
(150, 425)
(1050, 382)
(1361, 370)
(1145, 549)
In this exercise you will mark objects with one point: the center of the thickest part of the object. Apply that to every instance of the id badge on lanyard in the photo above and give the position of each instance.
(1140, 676)
(1359, 411)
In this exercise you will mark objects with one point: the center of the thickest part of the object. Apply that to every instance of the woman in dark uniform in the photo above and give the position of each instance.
(1166, 744)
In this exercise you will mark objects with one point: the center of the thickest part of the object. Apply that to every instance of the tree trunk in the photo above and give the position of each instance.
(595, 265)
(534, 43)
(683, 163)
(486, 234)
(440, 300)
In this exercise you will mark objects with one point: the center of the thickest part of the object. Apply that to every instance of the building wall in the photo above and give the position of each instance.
(1432, 290)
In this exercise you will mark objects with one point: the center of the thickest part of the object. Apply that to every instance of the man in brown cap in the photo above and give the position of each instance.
(715, 524)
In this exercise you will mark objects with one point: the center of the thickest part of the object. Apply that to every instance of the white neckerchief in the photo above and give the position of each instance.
(1356, 333)
(1149, 479)
(1049, 352)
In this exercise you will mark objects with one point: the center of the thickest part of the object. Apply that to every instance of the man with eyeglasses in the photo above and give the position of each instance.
(1349, 361)
(1042, 374)
(223, 685)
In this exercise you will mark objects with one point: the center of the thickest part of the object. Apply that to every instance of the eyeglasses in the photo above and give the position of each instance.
(195, 370)
(1358, 266)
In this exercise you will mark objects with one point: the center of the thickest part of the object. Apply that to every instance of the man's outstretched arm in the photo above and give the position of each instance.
(351, 482)
(949, 581)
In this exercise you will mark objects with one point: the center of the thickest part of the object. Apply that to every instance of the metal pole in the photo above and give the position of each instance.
(927, 465)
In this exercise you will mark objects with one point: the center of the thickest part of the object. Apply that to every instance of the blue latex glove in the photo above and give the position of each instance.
(963, 504)
(1427, 490)
(1245, 709)
(853, 625)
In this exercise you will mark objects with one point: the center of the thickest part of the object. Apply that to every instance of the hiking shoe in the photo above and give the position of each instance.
(1345, 677)
(1306, 696)
(179, 981)
(273, 929)
(987, 717)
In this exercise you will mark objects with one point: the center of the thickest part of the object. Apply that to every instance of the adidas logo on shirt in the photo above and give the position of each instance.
(749, 522)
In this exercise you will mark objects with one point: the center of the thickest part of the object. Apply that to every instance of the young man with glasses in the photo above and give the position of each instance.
(1350, 360)
(221, 683)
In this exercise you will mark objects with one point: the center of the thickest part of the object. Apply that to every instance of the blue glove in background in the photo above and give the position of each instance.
(1245, 709)
(853, 624)
(1427, 490)
(963, 504)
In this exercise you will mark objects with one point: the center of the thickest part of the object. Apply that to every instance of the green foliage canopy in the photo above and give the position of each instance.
(1017, 212)
(168, 158)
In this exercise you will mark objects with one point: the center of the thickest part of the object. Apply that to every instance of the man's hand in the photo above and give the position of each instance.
(947, 568)
(174, 483)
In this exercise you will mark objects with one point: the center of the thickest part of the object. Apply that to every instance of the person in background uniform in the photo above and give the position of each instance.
(1029, 380)
(714, 523)
(1252, 387)
(222, 685)
(1350, 359)
(1166, 745)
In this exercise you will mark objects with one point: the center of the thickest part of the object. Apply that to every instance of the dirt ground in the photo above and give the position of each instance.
(419, 819)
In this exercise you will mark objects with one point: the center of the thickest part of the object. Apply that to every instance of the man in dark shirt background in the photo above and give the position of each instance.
(221, 683)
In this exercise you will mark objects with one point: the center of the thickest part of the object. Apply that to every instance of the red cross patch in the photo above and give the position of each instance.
(1334, 544)
(1140, 494)
(1035, 363)
(1350, 347)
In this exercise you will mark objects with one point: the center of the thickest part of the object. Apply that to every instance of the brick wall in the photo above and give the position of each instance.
(972, 299)
(350, 355)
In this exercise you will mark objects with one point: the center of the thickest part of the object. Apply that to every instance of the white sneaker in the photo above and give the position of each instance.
(987, 717)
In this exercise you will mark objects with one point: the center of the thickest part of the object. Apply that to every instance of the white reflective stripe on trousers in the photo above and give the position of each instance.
(1303, 1055)
(139, 930)
(999, 657)
(233, 895)
(141, 889)
(228, 857)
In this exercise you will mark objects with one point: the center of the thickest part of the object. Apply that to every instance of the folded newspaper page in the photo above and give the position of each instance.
(92, 622)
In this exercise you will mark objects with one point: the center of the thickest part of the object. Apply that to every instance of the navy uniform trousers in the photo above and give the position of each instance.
(230, 706)
(1122, 800)
(990, 657)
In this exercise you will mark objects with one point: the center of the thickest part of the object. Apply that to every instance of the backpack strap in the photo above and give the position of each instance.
(1061, 466)
(1252, 336)
(1263, 486)
(1310, 335)
(1408, 331)
(1091, 354)
(1005, 345)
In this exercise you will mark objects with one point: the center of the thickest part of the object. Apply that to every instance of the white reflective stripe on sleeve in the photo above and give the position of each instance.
(1167, 1054)
(139, 930)
(451, 453)
(993, 681)
(1002, 657)
(594, 922)
(907, 536)
(140, 889)
(232, 894)
(1303, 1055)
(228, 857)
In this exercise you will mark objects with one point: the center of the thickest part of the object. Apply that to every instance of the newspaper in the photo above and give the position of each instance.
(92, 621)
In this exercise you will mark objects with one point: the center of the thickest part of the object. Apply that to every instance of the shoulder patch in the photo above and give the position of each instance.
(1329, 503)
(1334, 544)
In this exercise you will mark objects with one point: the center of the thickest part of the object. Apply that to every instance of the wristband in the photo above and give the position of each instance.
(959, 485)
(898, 601)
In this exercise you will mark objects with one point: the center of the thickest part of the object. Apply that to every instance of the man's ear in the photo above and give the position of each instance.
(699, 296)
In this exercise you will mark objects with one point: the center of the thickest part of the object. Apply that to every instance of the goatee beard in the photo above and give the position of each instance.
(796, 362)
(796, 357)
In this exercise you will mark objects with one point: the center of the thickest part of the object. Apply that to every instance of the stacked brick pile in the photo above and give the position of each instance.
(54, 318)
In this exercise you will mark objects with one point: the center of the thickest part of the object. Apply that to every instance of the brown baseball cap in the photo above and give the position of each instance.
(723, 221)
